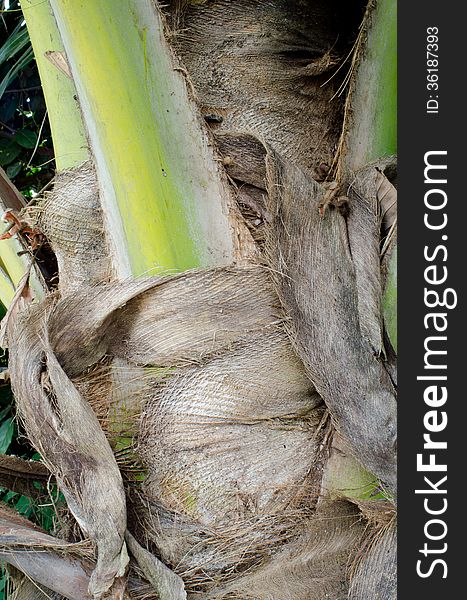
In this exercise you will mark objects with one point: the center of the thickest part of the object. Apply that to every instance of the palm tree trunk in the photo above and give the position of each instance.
(225, 429)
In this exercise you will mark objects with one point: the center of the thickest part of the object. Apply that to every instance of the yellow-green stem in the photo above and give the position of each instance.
(159, 189)
(66, 124)
(372, 104)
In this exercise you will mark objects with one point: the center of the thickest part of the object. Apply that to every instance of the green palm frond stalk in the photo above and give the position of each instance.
(160, 191)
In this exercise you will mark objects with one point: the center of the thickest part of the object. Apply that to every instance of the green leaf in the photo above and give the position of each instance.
(18, 66)
(24, 505)
(9, 150)
(47, 515)
(9, 496)
(4, 413)
(26, 138)
(7, 429)
(13, 169)
(17, 39)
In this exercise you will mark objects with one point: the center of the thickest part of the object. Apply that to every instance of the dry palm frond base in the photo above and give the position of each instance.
(267, 68)
(207, 436)
(374, 571)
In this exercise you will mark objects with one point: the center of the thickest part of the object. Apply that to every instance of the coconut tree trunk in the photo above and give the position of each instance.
(226, 427)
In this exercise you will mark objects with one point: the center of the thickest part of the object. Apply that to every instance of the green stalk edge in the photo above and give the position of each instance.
(66, 124)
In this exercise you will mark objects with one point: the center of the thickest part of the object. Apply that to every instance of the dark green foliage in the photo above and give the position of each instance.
(26, 151)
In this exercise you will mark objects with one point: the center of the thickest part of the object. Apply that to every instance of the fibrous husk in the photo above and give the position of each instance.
(231, 436)
(25, 589)
(375, 574)
(267, 68)
(173, 320)
(219, 376)
(220, 405)
(327, 269)
(71, 218)
(207, 429)
(312, 567)
(215, 386)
